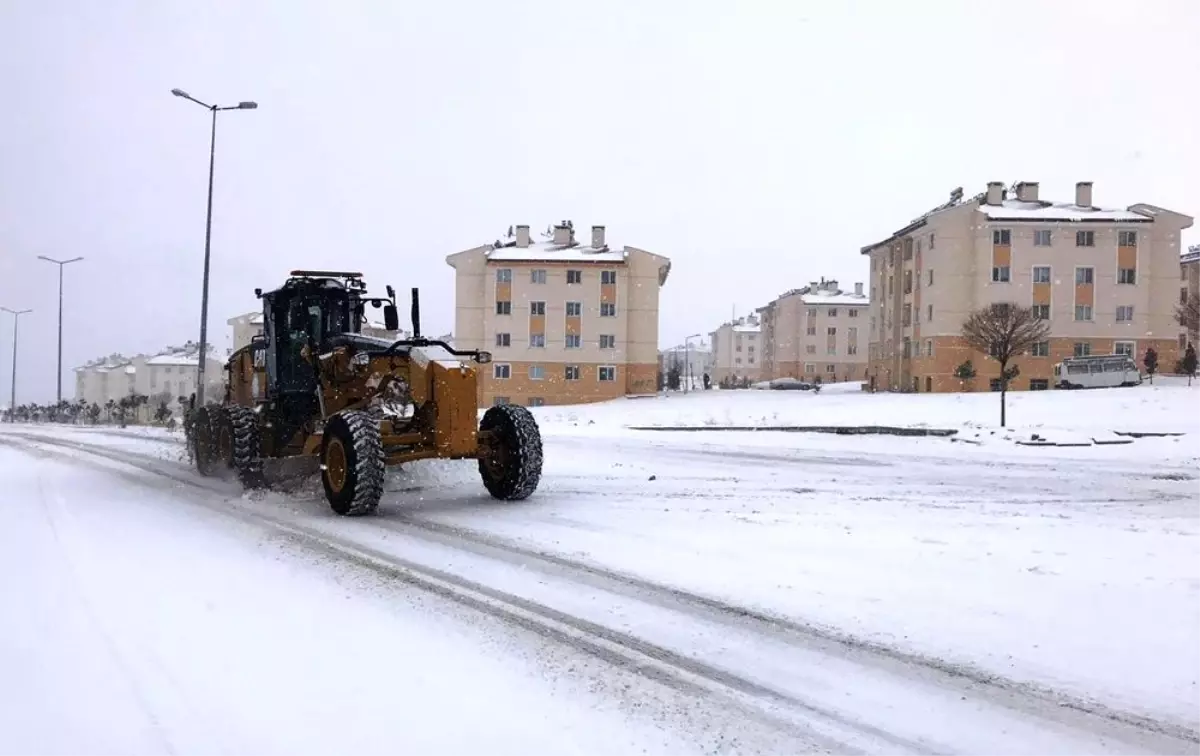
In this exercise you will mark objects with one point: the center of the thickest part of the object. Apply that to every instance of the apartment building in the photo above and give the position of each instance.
(737, 353)
(1106, 279)
(693, 358)
(165, 376)
(1189, 290)
(817, 331)
(567, 321)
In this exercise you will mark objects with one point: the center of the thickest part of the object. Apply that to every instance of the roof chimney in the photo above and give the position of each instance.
(1083, 193)
(598, 237)
(858, 289)
(831, 285)
(995, 192)
(1027, 191)
(562, 235)
(813, 287)
(522, 236)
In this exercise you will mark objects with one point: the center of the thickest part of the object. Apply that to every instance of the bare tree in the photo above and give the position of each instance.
(1188, 314)
(1003, 331)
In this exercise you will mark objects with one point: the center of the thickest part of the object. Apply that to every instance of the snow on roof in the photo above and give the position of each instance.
(835, 298)
(188, 359)
(744, 328)
(548, 251)
(130, 370)
(1191, 256)
(1012, 209)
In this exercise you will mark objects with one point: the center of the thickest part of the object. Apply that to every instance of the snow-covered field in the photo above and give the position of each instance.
(663, 591)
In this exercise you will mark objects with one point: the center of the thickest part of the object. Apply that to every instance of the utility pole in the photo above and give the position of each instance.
(12, 402)
(687, 351)
(61, 264)
(212, 160)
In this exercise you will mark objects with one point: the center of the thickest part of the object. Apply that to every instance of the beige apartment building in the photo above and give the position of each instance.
(566, 321)
(737, 351)
(816, 332)
(1189, 289)
(1106, 279)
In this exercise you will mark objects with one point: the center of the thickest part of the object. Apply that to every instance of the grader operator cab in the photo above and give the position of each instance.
(314, 389)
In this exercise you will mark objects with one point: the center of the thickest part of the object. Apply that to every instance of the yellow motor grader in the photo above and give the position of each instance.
(314, 392)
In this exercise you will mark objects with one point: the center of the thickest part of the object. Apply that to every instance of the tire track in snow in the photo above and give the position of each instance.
(1036, 701)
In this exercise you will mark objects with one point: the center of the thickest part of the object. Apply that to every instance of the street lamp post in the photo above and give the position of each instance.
(12, 402)
(61, 264)
(687, 352)
(212, 158)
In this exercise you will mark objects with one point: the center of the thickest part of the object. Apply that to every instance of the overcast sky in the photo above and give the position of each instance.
(757, 144)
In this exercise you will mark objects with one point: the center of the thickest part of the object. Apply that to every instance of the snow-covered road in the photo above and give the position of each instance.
(665, 593)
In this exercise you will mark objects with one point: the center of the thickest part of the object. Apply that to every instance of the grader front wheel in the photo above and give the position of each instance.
(352, 463)
(510, 460)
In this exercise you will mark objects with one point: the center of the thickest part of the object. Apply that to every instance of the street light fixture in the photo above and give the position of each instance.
(687, 356)
(12, 402)
(61, 264)
(212, 157)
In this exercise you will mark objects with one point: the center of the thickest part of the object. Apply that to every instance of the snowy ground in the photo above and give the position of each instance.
(666, 591)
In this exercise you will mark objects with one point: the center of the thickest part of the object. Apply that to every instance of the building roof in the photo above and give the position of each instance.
(546, 251)
(1023, 211)
(824, 293)
(1191, 256)
(1011, 209)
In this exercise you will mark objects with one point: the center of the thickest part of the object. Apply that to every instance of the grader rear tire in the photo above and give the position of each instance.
(511, 463)
(247, 445)
(352, 463)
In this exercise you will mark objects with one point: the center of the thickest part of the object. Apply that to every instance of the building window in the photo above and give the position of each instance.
(1127, 276)
(537, 340)
(503, 339)
(831, 369)
(537, 308)
(504, 275)
(1040, 349)
(931, 241)
(537, 276)
(1083, 275)
(537, 373)
(504, 308)
(571, 372)
(1083, 312)
(1038, 384)
(1041, 311)
(1123, 347)
(1127, 238)
(1083, 349)
(1124, 313)
(1041, 274)
(831, 331)
(929, 281)
(501, 371)
(738, 361)
(1183, 296)
(889, 286)
(833, 312)
(574, 309)
(574, 341)
(1085, 238)
(906, 316)
(574, 276)
(608, 310)
(1183, 342)
(908, 282)
(537, 401)
(1000, 274)
(852, 312)
(608, 276)
(608, 341)
(1002, 236)
(810, 349)
(928, 313)
(608, 373)
(928, 384)
(928, 347)
(831, 349)
(810, 368)
(1041, 237)
(499, 400)
(811, 330)
(812, 312)
(738, 348)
